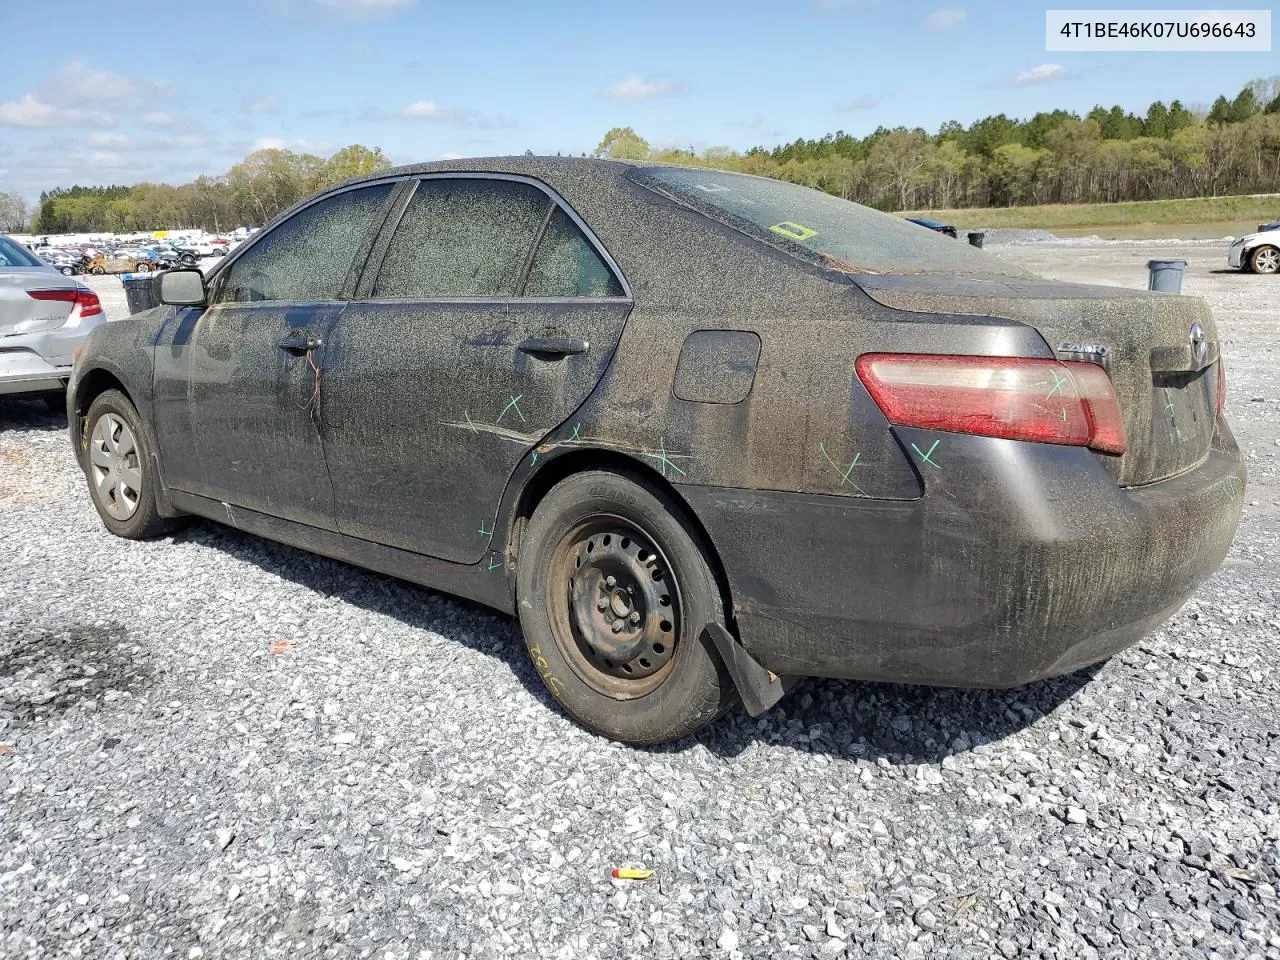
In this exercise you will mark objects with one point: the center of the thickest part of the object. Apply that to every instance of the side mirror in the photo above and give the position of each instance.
(182, 288)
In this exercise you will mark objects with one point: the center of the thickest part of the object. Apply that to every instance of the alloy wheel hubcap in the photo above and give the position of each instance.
(113, 462)
(623, 608)
(1267, 261)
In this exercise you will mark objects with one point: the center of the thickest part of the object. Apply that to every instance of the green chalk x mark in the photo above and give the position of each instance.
(577, 432)
(1059, 381)
(663, 460)
(925, 455)
(494, 565)
(484, 532)
(844, 473)
(535, 458)
(513, 404)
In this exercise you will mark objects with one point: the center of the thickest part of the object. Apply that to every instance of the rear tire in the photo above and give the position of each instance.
(1265, 260)
(603, 549)
(118, 464)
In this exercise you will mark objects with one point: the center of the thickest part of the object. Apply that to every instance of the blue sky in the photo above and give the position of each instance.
(91, 93)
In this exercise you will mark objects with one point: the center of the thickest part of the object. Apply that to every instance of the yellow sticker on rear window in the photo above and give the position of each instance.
(793, 231)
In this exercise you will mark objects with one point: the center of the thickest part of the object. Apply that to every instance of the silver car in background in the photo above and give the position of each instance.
(44, 316)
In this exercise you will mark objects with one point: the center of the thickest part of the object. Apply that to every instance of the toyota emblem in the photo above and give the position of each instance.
(1199, 345)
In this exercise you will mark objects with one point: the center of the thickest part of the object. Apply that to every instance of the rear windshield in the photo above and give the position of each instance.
(820, 227)
(16, 255)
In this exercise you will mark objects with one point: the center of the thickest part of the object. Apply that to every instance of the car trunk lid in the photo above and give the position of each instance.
(22, 313)
(1167, 386)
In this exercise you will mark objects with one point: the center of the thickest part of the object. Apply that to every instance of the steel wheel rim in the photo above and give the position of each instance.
(1266, 261)
(606, 572)
(115, 468)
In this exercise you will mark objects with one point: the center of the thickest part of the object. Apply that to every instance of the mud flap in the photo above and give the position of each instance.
(758, 688)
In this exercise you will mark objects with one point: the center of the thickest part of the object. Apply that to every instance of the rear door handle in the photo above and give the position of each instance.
(554, 346)
(300, 342)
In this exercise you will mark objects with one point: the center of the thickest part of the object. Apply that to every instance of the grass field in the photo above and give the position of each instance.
(1203, 217)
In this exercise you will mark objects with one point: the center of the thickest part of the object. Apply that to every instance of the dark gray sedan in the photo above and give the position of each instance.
(702, 432)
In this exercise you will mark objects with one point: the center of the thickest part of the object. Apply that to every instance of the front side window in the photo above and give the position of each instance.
(462, 238)
(566, 265)
(308, 256)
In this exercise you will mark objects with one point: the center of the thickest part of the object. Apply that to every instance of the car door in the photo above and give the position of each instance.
(486, 317)
(238, 383)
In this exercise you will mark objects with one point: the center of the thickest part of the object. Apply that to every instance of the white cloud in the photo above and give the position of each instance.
(452, 156)
(297, 146)
(158, 118)
(636, 87)
(78, 83)
(105, 158)
(1041, 74)
(71, 96)
(30, 110)
(946, 18)
(367, 9)
(859, 103)
(430, 110)
(266, 104)
(108, 140)
(425, 109)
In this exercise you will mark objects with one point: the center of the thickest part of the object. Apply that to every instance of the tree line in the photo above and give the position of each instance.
(249, 194)
(1107, 155)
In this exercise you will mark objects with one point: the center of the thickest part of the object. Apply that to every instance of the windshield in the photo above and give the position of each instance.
(820, 227)
(16, 255)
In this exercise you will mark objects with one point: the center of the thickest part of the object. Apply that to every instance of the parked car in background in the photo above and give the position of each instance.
(44, 317)
(1256, 252)
(65, 263)
(119, 262)
(935, 225)
(699, 431)
(1266, 227)
(203, 248)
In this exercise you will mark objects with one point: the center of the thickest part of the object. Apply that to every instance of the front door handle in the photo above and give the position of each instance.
(554, 346)
(300, 342)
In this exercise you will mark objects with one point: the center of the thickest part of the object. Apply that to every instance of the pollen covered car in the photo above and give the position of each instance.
(702, 432)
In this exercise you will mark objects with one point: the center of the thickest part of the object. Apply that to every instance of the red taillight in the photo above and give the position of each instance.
(1049, 401)
(82, 297)
(1222, 384)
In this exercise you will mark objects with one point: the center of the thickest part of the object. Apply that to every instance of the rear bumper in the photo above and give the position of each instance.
(1021, 561)
(25, 371)
(33, 362)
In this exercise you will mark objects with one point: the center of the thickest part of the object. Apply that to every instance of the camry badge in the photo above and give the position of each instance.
(1199, 345)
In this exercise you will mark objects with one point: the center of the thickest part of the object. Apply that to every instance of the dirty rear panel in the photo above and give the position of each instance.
(1168, 396)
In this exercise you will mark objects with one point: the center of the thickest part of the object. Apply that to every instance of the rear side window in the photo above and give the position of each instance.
(14, 254)
(566, 265)
(306, 257)
(462, 238)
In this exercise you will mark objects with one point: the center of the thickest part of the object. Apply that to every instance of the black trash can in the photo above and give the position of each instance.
(976, 237)
(139, 291)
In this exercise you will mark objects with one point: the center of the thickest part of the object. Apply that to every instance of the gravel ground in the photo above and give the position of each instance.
(212, 745)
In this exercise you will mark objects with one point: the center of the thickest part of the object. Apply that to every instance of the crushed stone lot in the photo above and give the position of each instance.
(213, 745)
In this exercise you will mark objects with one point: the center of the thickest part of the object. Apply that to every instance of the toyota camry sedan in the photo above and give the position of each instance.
(703, 433)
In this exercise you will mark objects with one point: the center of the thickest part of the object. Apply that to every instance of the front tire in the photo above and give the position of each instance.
(121, 471)
(613, 594)
(1265, 260)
